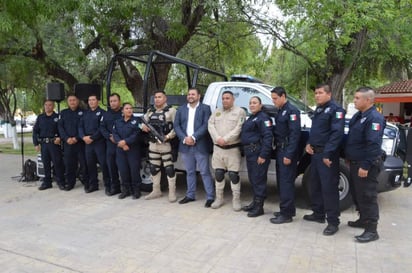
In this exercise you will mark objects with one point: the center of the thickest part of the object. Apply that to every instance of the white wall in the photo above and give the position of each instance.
(393, 107)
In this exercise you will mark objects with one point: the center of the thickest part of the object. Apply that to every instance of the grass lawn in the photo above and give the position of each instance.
(7, 148)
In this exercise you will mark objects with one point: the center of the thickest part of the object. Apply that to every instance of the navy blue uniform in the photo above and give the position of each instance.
(106, 128)
(287, 134)
(256, 137)
(128, 162)
(363, 150)
(74, 154)
(96, 151)
(325, 138)
(44, 133)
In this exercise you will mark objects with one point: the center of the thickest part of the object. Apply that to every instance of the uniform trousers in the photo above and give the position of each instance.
(111, 164)
(285, 177)
(96, 152)
(73, 157)
(366, 192)
(324, 188)
(51, 152)
(257, 174)
(129, 163)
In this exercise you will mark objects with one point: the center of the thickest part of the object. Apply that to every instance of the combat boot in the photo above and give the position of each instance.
(125, 192)
(237, 206)
(257, 209)
(220, 186)
(156, 192)
(370, 234)
(357, 224)
(250, 206)
(172, 189)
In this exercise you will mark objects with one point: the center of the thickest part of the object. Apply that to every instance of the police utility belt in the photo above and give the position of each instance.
(252, 147)
(281, 145)
(227, 147)
(46, 139)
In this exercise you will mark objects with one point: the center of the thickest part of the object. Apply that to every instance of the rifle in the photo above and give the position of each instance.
(160, 139)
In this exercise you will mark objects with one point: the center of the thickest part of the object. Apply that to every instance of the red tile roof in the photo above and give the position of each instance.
(396, 88)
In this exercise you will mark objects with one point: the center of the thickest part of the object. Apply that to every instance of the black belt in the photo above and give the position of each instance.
(231, 146)
(46, 139)
(252, 147)
(318, 149)
(281, 145)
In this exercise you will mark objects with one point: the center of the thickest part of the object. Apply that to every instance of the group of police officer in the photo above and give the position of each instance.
(113, 140)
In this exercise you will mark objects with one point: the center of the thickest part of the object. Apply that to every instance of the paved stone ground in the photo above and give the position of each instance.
(56, 231)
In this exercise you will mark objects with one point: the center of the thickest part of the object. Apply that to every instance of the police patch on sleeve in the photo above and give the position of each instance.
(293, 117)
(268, 123)
(376, 126)
(339, 115)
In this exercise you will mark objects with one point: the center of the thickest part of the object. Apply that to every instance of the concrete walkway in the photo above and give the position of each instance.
(57, 231)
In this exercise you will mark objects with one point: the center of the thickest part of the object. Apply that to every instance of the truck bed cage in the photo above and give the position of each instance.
(151, 60)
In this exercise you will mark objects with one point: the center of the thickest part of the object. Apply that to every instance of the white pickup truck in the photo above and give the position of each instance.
(244, 87)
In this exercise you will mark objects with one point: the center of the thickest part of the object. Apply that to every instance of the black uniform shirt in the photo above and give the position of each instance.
(45, 127)
(286, 129)
(328, 125)
(69, 123)
(90, 123)
(258, 129)
(126, 130)
(107, 122)
(365, 137)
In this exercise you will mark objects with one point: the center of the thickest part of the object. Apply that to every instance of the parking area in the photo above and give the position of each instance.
(58, 231)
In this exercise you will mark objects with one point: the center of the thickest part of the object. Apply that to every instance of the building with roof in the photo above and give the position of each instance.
(396, 98)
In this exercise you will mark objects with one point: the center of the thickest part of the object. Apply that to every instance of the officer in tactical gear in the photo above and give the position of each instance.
(161, 117)
(224, 127)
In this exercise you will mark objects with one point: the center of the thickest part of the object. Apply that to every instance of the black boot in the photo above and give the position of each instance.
(370, 234)
(124, 194)
(257, 210)
(115, 190)
(357, 224)
(250, 206)
(126, 191)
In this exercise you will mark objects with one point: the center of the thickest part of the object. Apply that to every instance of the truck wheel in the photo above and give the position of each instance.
(345, 198)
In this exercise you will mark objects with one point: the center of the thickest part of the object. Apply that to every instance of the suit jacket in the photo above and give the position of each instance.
(203, 140)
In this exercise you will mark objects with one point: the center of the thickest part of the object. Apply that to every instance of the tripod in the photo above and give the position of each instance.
(22, 124)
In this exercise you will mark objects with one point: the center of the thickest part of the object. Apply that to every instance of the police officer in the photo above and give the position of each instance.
(286, 138)
(363, 150)
(113, 113)
(73, 145)
(256, 137)
(46, 138)
(324, 145)
(89, 131)
(224, 127)
(161, 116)
(125, 133)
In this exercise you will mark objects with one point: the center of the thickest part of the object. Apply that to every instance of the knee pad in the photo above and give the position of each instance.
(154, 169)
(219, 175)
(234, 177)
(170, 170)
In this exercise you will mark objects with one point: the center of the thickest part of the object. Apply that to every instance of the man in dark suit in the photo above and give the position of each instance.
(190, 125)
